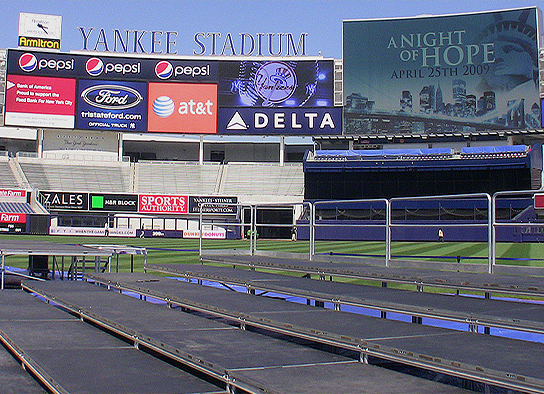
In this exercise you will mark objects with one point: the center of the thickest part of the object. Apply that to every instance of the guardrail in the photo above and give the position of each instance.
(388, 224)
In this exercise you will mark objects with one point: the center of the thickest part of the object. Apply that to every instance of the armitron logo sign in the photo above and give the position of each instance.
(39, 31)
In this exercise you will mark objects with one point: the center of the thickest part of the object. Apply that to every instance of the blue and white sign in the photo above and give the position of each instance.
(453, 73)
(280, 121)
(112, 105)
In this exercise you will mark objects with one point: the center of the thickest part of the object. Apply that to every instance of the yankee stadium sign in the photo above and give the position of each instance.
(205, 43)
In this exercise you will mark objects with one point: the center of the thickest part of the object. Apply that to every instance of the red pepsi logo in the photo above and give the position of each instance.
(28, 62)
(94, 66)
(164, 69)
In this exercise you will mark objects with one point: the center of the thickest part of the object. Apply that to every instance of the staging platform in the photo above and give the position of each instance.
(472, 311)
(246, 360)
(517, 285)
(69, 356)
(499, 361)
(14, 379)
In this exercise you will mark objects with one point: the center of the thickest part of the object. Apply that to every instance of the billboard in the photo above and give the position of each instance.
(64, 200)
(135, 94)
(278, 121)
(40, 102)
(113, 202)
(276, 83)
(39, 31)
(165, 204)
(111, 105)
(454, 73)
(182, 108)
(218, 205)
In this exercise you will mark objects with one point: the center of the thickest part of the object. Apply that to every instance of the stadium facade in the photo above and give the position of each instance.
(417, 106)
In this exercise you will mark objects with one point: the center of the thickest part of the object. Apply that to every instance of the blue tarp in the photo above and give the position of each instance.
(494, 149)
(384, 152)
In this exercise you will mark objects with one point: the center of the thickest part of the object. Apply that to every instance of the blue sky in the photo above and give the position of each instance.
(320, 19)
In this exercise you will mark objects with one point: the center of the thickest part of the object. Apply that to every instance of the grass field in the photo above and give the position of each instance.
(174, 250)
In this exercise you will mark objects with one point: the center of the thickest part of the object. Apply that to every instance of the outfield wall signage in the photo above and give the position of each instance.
(137, 203)
(221, 205)
(164, 204)
(12, 218)
(10, 195)
(93, 231)
(113, 202)
(106, 93)
(64, 200)
(453, 73)
(207, 234)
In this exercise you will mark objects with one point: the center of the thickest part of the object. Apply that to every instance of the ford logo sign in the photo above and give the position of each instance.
(111, 97)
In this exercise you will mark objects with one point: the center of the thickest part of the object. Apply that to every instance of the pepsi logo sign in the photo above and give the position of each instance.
(95, 66)
(28, 62)
(112, 97)
(164, 69)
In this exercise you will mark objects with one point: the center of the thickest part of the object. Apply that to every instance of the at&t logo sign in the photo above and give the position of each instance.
(164, 106)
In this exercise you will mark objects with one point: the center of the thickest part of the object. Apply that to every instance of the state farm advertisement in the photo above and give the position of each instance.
(182, 108)
(40, 101)
(13, 218)
(158, 203)
(10, 195)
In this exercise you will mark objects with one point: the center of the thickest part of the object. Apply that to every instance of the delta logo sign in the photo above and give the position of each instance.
(182, 108)
(277, 121)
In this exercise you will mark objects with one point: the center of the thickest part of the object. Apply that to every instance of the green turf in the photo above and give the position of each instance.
(175, 250)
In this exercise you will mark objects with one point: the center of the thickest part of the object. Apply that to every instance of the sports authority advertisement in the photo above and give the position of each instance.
(165, 204)
(39, 101)
(111, 105)
(457, 73)
(182, 108)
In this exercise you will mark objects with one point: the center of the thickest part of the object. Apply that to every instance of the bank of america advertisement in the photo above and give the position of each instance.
(456, 73)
